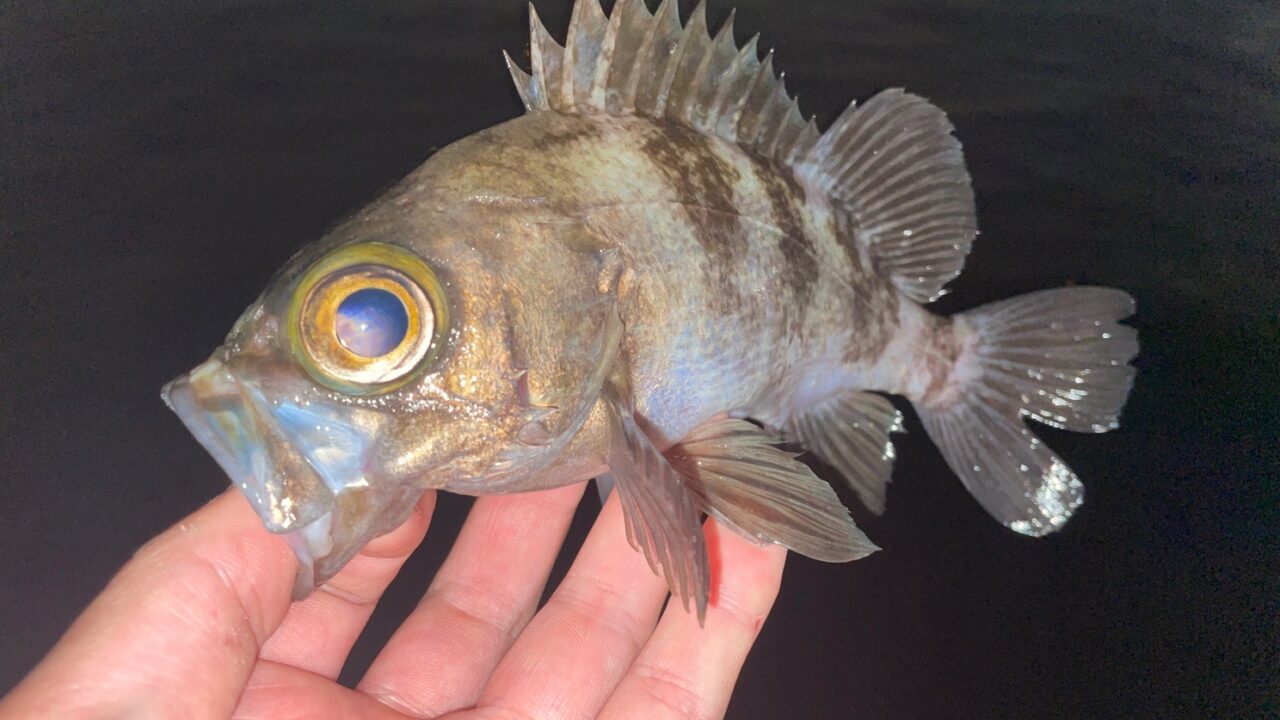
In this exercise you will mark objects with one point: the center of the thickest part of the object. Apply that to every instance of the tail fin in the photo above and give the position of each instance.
(1057, 356)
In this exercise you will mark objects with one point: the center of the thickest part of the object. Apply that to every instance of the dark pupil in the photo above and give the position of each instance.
(371, 322)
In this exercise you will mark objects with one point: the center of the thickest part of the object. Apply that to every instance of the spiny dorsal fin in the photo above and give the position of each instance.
(891, 164)
(637, 63)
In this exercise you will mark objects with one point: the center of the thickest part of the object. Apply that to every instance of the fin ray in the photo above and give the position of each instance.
(763, 492)
(661, 517)
(1056, 356)
(891, 165)
(636, 63)
(894, 165)
(851, 433)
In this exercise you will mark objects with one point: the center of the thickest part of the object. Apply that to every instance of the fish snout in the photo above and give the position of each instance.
(296, 461)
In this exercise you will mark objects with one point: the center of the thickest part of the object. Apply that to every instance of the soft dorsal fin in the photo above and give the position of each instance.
(891, 164)
(894, 164)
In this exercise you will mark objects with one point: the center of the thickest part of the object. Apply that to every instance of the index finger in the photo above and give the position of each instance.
(177, 631)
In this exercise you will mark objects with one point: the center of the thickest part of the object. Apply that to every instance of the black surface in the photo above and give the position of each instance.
(159, 160)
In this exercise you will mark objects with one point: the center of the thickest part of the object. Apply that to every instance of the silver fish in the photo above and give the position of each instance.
(611, 285)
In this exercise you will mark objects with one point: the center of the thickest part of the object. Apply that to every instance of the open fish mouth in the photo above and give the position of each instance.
(291, 459)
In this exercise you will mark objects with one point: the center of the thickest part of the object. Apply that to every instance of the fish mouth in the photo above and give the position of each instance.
(293, 460)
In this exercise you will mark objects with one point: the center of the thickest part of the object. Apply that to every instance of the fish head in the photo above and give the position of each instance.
(391, 357)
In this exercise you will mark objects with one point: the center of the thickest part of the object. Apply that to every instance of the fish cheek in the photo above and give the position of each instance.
(414, 445)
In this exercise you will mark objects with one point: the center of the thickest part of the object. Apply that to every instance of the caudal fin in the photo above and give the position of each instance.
(1057, 356)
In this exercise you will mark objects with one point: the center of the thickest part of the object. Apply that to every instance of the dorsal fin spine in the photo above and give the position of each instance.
(687, 36)
(626, 54)
(756, 102)
(545, 58)
(775, 119)
(568, 68)
(647, 58)
(798, 128)
(583, 51)
(890, 168)
(524, 83)
(596, 96)
(732, 91)
(805, 143)
(695, 45)
(715, 62)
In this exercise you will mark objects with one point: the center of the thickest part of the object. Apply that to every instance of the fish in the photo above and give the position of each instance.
(662, 276)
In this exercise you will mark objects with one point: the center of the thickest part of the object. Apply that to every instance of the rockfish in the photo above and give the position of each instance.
(656, 276)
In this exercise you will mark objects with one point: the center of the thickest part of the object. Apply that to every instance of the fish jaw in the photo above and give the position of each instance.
(299, 463)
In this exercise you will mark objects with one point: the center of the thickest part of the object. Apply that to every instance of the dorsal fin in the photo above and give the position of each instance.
(894, 164)
(890, 164)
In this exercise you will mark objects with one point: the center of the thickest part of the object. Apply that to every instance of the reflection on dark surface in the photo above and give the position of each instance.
(161, 159)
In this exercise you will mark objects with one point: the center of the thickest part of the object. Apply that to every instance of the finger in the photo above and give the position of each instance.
(482, 597)
(575, 650)
(195, 603)
(319, 631)
(689, 672)
(281, 691)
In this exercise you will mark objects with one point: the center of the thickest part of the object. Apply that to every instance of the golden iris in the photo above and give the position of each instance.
(365, 317)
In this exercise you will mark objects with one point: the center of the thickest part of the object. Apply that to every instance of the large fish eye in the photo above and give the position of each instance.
(371, 322)
(365, 317)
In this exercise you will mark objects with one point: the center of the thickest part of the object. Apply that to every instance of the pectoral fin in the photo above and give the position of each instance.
(740, 478)
(663, 520)
(604, 486)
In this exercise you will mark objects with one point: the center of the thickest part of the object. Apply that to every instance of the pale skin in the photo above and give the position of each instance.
(199, 624)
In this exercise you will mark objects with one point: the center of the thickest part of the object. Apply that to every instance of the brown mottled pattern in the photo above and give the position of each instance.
(875, 299)
(560, 139)
(938, 353)
(786, 202)
(743, 282)
(702, 179)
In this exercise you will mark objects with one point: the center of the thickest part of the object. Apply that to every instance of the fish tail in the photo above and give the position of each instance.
(1057, 356)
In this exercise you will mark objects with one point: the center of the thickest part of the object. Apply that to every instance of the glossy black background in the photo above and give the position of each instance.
(158, 160)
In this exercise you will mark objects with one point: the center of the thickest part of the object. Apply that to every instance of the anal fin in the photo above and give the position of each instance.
(850, 432)
(742, 479)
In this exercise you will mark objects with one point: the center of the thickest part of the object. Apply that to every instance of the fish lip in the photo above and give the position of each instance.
(304, 460)
(226, 414)
(310, 543)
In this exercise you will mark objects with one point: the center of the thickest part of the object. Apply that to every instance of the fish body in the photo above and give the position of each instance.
(611, 283)
(739, 295)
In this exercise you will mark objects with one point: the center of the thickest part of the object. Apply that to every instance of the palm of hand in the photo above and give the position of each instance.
(199, 624)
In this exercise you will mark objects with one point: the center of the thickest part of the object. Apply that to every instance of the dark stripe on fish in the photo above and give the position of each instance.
(786, 199)
(875, 300)
(705, 183)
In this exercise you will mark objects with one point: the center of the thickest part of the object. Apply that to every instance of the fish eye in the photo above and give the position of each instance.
(364, 318)
(371, 322)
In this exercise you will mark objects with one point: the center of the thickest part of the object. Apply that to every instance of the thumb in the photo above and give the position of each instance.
(177, 631)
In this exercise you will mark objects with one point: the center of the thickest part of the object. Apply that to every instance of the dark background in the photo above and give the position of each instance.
(159, 160)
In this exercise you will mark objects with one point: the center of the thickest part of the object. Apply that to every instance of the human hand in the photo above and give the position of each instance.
(199, 624)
